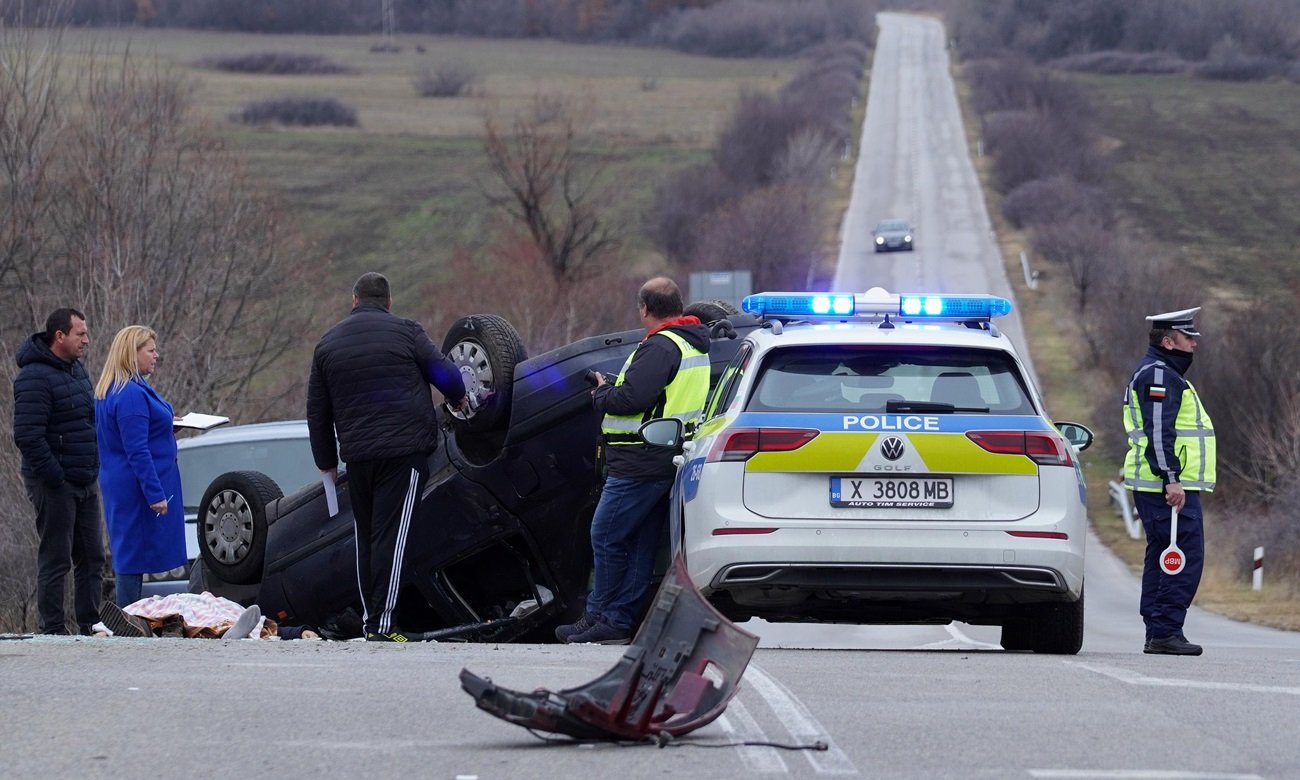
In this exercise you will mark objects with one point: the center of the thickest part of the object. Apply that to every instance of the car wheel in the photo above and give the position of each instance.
(232, 525)
(710, 311)
(486, 348)
(1017, 634)
(1058, 627)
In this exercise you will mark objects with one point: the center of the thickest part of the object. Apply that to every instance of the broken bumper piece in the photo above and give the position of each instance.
(678, 674)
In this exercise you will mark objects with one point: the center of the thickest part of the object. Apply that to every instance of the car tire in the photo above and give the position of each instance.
(1058, 627)
(232, 525)
(1017, 634)
(710, 311)
(486, 348)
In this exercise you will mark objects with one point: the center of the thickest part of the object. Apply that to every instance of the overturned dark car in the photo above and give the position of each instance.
(500, 547)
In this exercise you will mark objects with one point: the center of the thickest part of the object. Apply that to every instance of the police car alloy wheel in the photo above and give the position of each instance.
(883, 458)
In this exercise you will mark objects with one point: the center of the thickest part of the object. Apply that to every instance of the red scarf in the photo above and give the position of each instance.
(687, 320)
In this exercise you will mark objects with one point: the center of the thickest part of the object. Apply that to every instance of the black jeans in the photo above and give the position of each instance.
(71, 526)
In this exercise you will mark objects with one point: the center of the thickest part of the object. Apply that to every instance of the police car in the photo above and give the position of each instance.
(884, 458)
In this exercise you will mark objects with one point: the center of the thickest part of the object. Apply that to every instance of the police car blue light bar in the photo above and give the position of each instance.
(953, 307)
(876, 301)
(799, 304)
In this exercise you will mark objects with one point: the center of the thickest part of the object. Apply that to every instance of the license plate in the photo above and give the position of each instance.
(892, 492)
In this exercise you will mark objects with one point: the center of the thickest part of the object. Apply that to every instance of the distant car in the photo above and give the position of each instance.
(882, 458)
(502, 528)
(893, 234)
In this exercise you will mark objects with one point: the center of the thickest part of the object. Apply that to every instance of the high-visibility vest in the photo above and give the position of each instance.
(1193, 444)
(683, 398)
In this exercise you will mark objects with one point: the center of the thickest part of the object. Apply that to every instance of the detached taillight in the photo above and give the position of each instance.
(1042, 447)
(742, 444)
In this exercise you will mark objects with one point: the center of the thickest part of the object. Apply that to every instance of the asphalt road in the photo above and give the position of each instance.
(887, 702)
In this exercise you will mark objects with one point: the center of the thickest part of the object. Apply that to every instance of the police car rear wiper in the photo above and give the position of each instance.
(899, 407)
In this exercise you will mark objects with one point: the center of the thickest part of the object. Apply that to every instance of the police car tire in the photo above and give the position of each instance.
(246, 495)
(1058, 628)
(1017, 634)
(496, 348)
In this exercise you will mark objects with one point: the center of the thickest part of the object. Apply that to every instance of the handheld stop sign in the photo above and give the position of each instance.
(1172, 559)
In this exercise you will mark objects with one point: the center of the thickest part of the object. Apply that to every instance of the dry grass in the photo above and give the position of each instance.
(691, 102)
(1175, 209)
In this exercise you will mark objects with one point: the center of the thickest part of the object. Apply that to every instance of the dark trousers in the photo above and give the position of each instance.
(71, 529)
(1166, 597)
(385, 496)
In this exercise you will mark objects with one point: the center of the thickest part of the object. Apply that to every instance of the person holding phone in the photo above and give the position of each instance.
(138, 475)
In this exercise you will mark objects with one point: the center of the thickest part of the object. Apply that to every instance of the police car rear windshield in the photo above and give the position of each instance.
(889, 379)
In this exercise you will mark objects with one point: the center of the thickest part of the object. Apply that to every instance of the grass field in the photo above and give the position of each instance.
(1207, 172)
(399, 192)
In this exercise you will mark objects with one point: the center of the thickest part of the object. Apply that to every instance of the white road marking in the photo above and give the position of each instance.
(741, 726)
(958, 638)
(1137, 774)
(1137, 678)
(803, 727)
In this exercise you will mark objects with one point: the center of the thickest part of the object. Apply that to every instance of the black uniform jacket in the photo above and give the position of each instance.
(654, 366)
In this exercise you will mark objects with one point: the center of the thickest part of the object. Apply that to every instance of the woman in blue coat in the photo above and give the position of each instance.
(138, 476)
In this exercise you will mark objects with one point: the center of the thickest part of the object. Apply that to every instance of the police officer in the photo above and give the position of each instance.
(667, 376)
(1170, 461)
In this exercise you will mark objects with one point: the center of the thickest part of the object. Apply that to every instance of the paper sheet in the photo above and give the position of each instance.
(331, 495)
(200, 422)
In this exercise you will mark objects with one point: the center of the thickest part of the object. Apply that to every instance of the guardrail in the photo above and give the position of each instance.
(1119, 496)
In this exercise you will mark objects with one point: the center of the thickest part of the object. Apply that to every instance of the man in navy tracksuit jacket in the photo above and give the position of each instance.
(369, 384)
(54, 428)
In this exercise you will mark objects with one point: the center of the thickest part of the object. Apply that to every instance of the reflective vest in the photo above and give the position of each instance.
(683, 398)
(1193, 444)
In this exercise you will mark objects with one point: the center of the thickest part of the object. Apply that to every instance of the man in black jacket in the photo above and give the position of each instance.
(54, 428)
(369, 385)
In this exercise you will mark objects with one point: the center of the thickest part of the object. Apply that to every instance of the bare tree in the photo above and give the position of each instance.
(116, 204)
(550, 189)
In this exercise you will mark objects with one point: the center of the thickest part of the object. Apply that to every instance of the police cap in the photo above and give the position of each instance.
(1176, 320)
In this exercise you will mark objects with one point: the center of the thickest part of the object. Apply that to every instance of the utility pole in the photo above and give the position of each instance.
(389, 26)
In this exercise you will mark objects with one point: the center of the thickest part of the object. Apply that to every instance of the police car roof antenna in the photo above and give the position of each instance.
(886, 324)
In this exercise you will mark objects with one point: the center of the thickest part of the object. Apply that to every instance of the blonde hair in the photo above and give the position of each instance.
(121, 366)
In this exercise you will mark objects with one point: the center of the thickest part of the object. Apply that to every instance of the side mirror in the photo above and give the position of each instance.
(1076, 434)
(663, 432)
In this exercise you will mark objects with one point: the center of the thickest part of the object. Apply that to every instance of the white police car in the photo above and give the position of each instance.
(882, 458)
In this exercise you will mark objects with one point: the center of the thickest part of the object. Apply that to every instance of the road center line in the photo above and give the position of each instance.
(741, 726)
(1136, 678)
(803, 727)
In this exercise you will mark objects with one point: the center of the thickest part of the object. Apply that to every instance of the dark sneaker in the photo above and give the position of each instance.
(563, 633)
(123, 623)
(1171, 645)
(602, 633)
(391, 636)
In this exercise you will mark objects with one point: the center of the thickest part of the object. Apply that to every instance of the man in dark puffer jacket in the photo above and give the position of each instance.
(54, 428)
(369, 384)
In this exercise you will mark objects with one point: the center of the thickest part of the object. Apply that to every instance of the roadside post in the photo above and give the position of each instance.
(1257, 574)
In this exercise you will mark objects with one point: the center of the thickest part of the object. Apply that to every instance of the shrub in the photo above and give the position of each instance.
(385, 47)
(1054, 199)
(305, 111)
(751, 28)
(681, 206)
(447, 81)
(1028, 145)
(273, 62)
(1123, 62)
(1228, 62)
(773, 232)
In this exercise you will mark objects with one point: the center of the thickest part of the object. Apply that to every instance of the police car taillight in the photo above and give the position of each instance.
(741, 444)
(1042, 447)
